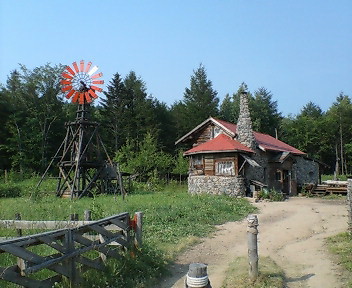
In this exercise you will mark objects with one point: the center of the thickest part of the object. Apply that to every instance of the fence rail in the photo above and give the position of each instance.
(69, 247)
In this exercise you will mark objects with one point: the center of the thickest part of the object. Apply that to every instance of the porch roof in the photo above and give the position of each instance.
(221, 143)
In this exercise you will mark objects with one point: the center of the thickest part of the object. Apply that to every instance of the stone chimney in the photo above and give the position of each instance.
(244, 124)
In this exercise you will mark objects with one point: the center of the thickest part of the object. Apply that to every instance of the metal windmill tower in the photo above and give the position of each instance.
(82, 160)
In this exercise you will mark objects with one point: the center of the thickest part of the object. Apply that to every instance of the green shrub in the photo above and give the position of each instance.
(10, 191)
(271, 195)
(331, 177)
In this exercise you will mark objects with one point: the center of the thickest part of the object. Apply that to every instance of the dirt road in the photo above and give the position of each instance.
(292, 233)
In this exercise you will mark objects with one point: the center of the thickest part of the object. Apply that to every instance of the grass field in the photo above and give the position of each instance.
(173, 219)
(270, 274)
(341, 246)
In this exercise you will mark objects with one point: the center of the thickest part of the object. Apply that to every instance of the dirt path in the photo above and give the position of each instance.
(292, 233)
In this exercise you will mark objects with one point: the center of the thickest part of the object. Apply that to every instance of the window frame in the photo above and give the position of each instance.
(225, 171)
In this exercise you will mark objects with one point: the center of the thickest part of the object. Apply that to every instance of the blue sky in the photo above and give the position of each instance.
(299, 50)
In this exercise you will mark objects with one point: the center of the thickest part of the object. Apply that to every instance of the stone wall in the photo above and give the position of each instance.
(257, 173)
(307, 171)
(233, 186)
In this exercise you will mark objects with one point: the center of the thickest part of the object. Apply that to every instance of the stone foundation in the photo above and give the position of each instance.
(232, 186)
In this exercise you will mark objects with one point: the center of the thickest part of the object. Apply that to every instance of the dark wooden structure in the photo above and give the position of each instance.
(66, 251)
(83, 162)
(328, 187)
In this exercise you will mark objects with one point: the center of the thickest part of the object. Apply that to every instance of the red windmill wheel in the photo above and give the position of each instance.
(81, 83)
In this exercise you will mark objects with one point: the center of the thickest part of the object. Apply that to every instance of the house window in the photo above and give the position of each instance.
(225, 168)
(216, 131)
(197, 160)
(278, 175)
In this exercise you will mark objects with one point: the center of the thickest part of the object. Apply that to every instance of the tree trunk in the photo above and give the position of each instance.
(20, 148)
(341, 147)
(337, 165)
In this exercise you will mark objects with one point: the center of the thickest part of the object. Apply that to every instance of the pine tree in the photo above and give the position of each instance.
(115, 114)
(200, 99)
(264, 112)
(129, 113)
(227, 109)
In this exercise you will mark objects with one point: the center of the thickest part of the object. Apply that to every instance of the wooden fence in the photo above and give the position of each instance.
(79, 246)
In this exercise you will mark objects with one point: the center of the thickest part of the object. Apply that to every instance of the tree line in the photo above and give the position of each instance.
(139, 130)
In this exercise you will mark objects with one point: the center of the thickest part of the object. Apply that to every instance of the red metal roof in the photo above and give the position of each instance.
(270, 143)
(221, 143)
(265, 141)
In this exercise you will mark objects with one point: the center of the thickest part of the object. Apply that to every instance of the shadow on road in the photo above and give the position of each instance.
(177, 271)
(297, 279)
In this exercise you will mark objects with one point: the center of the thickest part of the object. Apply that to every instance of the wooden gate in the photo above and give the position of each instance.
(66, 251)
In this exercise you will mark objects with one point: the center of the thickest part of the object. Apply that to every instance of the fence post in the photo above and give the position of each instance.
(349, 205)
(70, 264)
(197, 276)
(252, 232)
(19, 231)
(74, 217)
(21, 264)
(87, 215)
(138, 218)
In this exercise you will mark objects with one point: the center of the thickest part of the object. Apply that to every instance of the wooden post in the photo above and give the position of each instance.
(102, 255)
(349, 205)
(87, 215)
(74, 217)
(19, 231)
(70, 264)
(197, 276)
(138, 217)
(252, 233)
(21, 264)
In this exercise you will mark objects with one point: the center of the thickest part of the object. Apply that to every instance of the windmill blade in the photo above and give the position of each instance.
(69, 69)
(69, 94)
(65, 82)
(88, 67)
(81, 66)
(96, 88)
(81, 75)
(65, 75)
(75, 97)
(92, 93)
(97, 75)
(75, 66)
(66, 88)
(93, 70)
(88, 98)
(81, 98)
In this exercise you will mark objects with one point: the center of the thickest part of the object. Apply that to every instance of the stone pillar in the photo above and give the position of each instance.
(244, 124)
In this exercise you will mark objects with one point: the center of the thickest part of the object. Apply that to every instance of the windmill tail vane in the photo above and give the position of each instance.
(81, 82)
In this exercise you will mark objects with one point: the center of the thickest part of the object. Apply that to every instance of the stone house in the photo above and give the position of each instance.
(226, 158)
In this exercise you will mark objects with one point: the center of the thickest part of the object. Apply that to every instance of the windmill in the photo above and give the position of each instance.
(82, 160)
